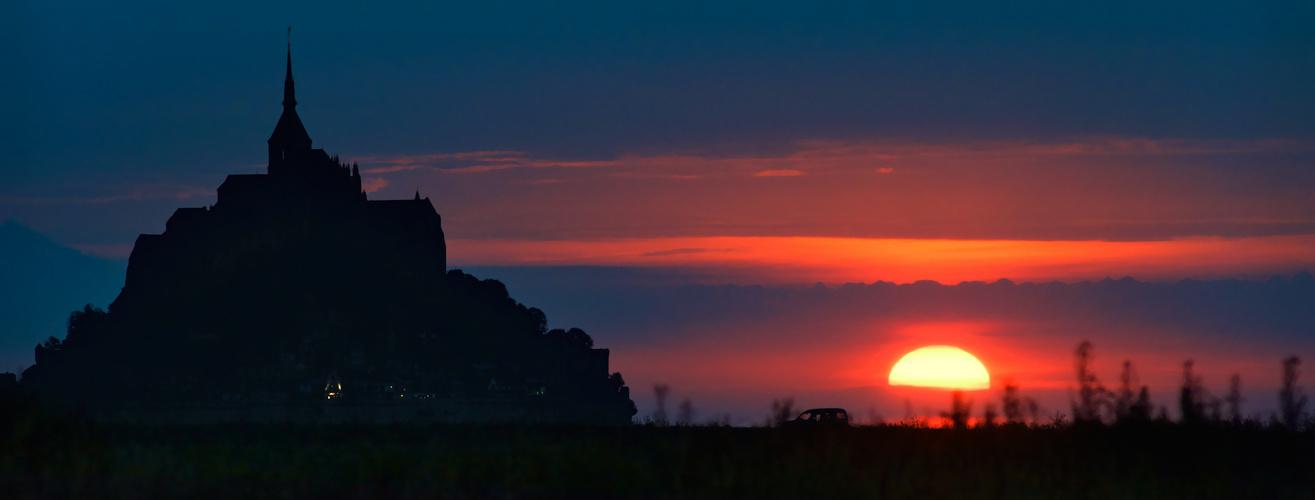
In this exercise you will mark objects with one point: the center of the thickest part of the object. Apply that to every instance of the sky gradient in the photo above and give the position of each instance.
(634, 149)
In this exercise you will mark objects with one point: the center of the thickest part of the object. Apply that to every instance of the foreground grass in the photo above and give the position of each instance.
(43, 457)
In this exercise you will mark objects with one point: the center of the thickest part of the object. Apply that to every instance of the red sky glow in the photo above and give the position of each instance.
(841, 260)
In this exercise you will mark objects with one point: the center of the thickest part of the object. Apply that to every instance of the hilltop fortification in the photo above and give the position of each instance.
(296, 298)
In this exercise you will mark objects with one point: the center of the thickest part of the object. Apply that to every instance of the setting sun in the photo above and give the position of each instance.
(940, 366)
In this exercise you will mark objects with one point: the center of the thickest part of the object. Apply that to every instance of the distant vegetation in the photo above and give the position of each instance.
(1111, 445)
(1091, 404)
(58, 458)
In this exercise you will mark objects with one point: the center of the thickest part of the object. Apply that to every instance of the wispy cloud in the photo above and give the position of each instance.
(437, 157)
(648, 175)
(818, 155)
(682, 251)
(842, 260)
(372, 184)
(785, 172)
(470, 162)
(1098, 188)
(391, 169)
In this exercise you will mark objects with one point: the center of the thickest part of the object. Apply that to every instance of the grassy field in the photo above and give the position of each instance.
(46, 457)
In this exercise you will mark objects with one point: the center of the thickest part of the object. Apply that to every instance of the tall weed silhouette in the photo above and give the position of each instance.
(1092, 396)
(960, 410)
(1130, 407)
(1191, 405)
(660, 392)
(1234, 399)
(685, 413)
(1292, 403)
(782, 411)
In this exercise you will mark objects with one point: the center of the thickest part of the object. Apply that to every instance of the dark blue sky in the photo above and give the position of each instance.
(170, 88)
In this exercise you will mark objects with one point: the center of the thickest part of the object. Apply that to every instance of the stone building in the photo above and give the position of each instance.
(295, 276)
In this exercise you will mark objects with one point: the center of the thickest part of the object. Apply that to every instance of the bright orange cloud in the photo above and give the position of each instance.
(779, 173)
(841, 260)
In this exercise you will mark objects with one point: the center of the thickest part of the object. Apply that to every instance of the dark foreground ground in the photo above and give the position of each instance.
(45, 457)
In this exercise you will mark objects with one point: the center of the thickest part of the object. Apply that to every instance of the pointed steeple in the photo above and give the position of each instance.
(289, 91)
(289, 140)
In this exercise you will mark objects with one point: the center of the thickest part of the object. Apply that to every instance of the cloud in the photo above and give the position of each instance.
(778, 173)
(1097, 188)
(438, 157)
(680, 251)
(372, 184)
(1083, 189)
(644, 175)
(819, 155)
(844, 260)
(186, 194)
(469, 162)
(391, 169)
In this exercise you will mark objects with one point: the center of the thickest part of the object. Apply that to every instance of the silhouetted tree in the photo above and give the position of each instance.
(575, 338)
(538, 319)
(1292, 402)
(988, 415)
(1142, 408)
(1234, 399)
(1191, 397)
(1091, 395)
(660, 392)
(1123, 403)
(579, 338)
(619, 387)
(1013, 406)
(82, 324)
(685, 413)
(616, 381)
(960, 410)
(873, 417)
(1129, 406)
(782, 412)
(48, 351)
(1058, 420)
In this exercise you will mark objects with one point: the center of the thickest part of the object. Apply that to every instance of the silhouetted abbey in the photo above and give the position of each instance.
(296, 298)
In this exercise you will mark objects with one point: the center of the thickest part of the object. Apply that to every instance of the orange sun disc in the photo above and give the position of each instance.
(940, 366)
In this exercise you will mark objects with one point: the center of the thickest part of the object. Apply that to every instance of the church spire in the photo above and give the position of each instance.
(289, 142)
(289, 92)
